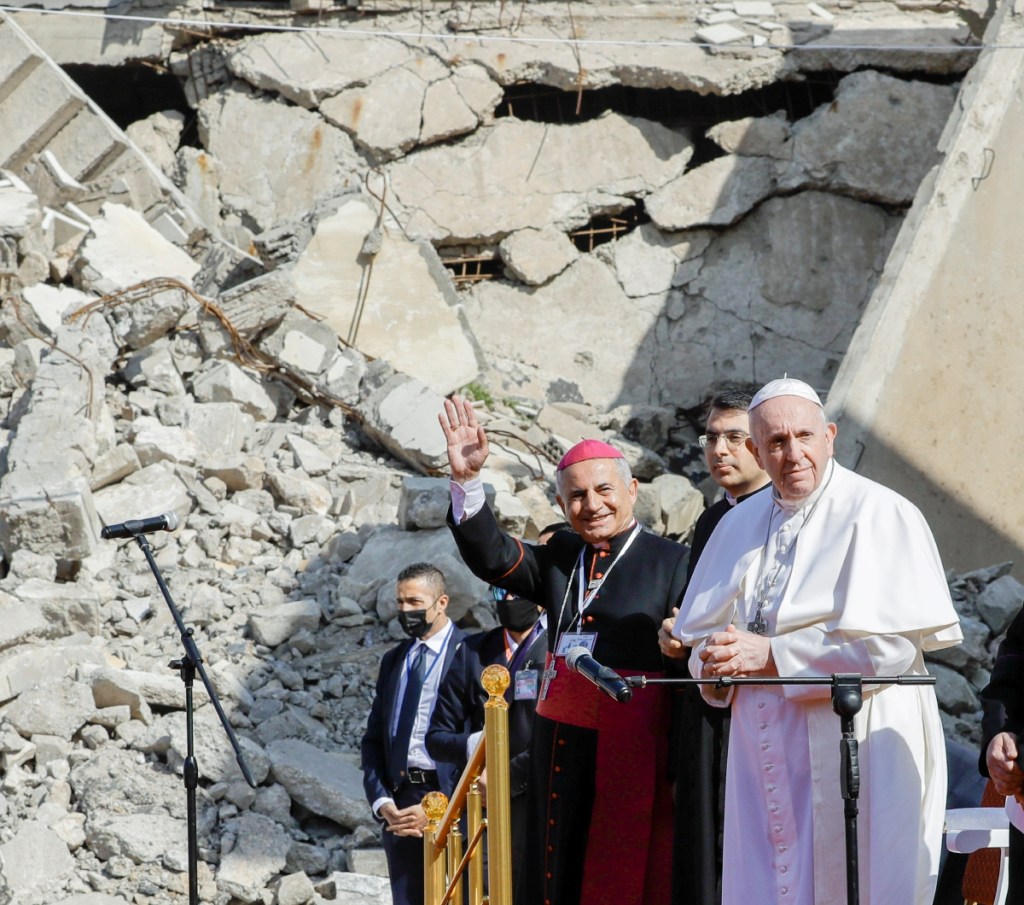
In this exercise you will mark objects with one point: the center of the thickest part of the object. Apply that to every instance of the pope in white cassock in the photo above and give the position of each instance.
(830, 572)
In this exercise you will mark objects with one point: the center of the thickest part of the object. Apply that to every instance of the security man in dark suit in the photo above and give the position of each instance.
(520, 644)
(397, 769)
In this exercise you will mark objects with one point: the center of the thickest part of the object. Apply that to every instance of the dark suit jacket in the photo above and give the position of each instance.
(376, 745)
(460, 703)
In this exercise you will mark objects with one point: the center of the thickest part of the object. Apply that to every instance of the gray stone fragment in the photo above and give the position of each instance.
(407, 308)
(273, 625)
(123, 249)
(389, 550)
(301, 343)
(305, 494)
(68, 607)
(536, 255)
(146, 492)
(575, 172)
(155, 442)
(955, 694)
(1000, 602)
(27, 665)
(221, 427)
(424, 502)
(401, 415)
(143, 838)
(309, 457)
(58, 708)
(157, 136)
(754, 136)
(259, 303)
(111, 687)
(302, 157)
(367, 861)
(259, 855)
(223, 381)
(877, 139)
(356, 889)
(20, 622)
(154, 367)
(114, 465)
(716, 193)
(325, 783)
(238, 471)
(681, 503)
(294, 889)
(19, 207)
(35, 862)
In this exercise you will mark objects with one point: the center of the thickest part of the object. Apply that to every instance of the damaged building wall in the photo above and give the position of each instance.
(936, 356)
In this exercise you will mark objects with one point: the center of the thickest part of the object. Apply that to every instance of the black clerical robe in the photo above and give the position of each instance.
(599, 810)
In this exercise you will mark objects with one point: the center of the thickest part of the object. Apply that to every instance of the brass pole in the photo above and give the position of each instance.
(434, 806)
(475, 817)
(495, 679)
(454, 849)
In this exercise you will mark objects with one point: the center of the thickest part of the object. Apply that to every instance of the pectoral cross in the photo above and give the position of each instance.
(547, 677)
(758, 626)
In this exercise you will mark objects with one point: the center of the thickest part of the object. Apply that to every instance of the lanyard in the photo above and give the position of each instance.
(582, 601)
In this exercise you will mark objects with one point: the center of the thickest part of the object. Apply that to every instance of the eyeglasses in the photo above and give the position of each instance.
(500, 594)
(733, 439)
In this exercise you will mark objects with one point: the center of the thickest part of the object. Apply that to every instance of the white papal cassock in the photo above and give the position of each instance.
(852, 583)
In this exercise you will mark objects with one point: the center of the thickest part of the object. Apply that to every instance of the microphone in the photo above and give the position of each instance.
(134, 527)
(608, 680)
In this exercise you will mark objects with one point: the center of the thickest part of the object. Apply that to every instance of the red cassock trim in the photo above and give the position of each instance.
(629, 849)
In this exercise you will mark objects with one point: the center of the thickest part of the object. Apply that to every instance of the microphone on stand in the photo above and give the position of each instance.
(134, 527)
(578, 659)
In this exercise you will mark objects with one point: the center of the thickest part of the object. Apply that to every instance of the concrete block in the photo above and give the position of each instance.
(274, 625)
(536, 255)
(59, 520)
(223, 381)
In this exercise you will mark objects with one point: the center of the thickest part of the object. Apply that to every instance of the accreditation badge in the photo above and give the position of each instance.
(527, 681)
(569, 640)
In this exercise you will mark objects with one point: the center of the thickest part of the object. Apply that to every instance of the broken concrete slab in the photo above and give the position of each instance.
(326, 783)
(536, 255)
(142, 838)
(551, 176)
(224, 381)
(19, 207)
(754, 136)
(34, 863)
(283, 63)
(58, 708)
(122, 249)
(274, 625)
(418, 103)
(716, 193)
(143, 493)
(259, 854)
(862, 144)
(527, 358)
(157, 136)
(401, 415)
(395, 304)
(302, 158)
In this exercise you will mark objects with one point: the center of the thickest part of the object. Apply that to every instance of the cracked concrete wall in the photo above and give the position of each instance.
(927, 396)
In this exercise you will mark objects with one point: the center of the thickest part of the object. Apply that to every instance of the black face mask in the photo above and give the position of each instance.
(517, 614)
(414, 622)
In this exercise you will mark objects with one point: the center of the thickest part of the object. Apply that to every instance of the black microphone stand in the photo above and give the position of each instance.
(847, 698)
(188, 666)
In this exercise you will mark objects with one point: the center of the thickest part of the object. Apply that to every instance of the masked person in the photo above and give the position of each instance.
(397, 769)
(519, 643)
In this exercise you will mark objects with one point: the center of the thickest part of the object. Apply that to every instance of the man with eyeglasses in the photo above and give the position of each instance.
(397, 768)
(829, 573)
(700, 732)
(520, 644)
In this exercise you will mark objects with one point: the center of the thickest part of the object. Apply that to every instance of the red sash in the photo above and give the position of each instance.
(629, 848)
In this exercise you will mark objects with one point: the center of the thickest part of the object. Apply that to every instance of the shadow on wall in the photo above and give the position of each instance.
(967, 538)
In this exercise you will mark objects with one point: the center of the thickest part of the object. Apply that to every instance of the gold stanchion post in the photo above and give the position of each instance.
(434, 806)
(495, 679)
(474, 819)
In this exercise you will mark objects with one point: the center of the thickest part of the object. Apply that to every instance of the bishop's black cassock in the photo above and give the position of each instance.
(600, 809)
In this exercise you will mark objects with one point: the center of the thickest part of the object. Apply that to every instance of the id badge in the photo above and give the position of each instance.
(526, 685)
(576, 639)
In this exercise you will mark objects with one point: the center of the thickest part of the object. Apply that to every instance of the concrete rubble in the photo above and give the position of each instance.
(248, 312)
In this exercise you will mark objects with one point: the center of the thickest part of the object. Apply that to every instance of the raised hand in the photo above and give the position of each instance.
(467, 442)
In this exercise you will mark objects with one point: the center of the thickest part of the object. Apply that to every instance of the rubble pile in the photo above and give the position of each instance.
(256, 331)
